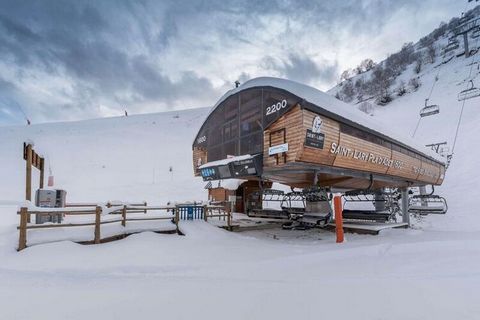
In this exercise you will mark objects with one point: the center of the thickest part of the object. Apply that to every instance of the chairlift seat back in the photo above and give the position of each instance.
(429, 110)
(469, 94)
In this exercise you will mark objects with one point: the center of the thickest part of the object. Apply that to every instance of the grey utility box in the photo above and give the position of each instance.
(50, 198)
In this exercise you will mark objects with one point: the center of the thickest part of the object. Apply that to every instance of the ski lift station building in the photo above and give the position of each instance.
(276, 130)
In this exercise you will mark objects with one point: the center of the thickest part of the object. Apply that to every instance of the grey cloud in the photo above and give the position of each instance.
(302, 68)
(110, 52)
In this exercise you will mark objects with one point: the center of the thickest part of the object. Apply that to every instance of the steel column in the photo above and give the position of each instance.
(405, 214)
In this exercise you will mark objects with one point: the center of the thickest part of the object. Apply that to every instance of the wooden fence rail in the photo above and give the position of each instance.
(125, 210)
(108, 205)
(219, 212)
(201, 212)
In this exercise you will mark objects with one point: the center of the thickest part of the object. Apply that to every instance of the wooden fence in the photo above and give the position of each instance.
(220, 212)
(108, 205)
(177, 213)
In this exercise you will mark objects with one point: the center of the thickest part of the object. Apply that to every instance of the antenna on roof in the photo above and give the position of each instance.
(237, 83)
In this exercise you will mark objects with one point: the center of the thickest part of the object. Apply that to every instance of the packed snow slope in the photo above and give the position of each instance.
(135, 158)
(427, 272)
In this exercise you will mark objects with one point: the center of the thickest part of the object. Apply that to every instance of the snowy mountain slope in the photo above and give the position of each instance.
(441, 81)
(125, 158)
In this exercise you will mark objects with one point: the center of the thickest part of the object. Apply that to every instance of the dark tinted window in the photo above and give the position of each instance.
(215, 136)
(236, 126)
(250, 111)
(230, 130)
(230, 148)
(215, 153)
(252, 144)
(231, 108)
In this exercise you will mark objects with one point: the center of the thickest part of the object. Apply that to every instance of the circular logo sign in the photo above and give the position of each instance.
(317, 124)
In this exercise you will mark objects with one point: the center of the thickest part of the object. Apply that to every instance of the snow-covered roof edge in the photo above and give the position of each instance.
(225, 161)
(330, 104)
(228, 184)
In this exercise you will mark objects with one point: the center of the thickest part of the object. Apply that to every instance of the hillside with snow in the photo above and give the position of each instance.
(144, 157)
(396, 88)
(426, 272)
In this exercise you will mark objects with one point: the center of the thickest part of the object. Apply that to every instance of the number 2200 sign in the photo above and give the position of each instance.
(276, 107)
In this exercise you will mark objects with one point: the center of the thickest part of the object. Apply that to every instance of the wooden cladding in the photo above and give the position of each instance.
(199, 158)
(347, 147)
(289, 124)
(330, 129)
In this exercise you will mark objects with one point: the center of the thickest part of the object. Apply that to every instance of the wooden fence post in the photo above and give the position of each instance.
(337, 203)
(22, 241)
(28, 176)
(176, 219)
(42, 172)
(229, 216)
(98, 212)
(205, 213)
(145, 204)
(124, 215)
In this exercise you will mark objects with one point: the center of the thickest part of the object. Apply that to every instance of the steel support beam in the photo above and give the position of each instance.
(405, 214)
(465, 43)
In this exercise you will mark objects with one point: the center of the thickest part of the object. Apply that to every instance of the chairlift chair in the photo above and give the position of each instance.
(256, 200)
(318, 210)
(293, 203)
(469, 93)
(378, 206)
(464, 19)
(429, 110)
(425, 204)
(452, 45)
(475, 33)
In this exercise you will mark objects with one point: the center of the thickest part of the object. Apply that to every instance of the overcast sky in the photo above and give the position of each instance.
(68, 60)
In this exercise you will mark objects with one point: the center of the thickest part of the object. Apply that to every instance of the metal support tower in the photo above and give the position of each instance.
(405, 214)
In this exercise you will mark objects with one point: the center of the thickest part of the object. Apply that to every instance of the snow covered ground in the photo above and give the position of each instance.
(427, 272)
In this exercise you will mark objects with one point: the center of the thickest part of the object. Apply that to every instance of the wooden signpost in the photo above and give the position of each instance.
(32, 159)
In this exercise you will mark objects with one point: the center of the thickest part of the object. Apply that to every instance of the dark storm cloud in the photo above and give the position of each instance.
(76, 59)
(302, 68)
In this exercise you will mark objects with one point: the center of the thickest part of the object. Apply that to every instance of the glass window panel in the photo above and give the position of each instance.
(250, 111)
(230, 131)
(252, 144)
(214, 153)
(229, 148)
(231, 108)
(215, 136)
